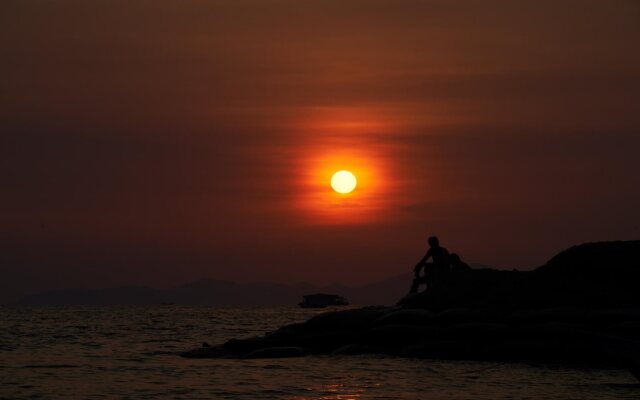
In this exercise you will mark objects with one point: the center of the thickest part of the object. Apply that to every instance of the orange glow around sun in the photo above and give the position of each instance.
(344, 173)
(343, 204)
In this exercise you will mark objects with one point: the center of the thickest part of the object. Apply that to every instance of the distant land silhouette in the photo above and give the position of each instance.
(225, 293)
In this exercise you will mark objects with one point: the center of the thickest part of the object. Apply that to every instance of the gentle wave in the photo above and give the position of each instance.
(116, 352)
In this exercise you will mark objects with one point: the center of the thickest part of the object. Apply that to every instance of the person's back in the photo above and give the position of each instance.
(440, 257)
(436, 271)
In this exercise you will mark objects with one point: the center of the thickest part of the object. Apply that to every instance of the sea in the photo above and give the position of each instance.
(109, 352)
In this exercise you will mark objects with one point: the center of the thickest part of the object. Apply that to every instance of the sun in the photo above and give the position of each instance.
(344, 182)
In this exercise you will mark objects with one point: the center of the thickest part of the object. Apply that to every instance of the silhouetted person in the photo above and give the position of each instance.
(434, 272)
(457, 265)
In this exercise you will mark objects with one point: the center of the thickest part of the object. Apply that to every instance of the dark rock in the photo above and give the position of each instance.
(276, 352)
(207, 352)
(464, 315)
(582, 306)
(442, 349)
(415, 316)
(326, 341)
(322, 300)
(611, 316)
(241, 347)
(552, 332)
(558, 314)
(546, 351)
(399, 335)
(289, 332)
(628, 330)
(484, 332)
(356, 319)
(591, 276)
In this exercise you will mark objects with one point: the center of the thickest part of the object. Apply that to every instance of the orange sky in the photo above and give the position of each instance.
(157, 142)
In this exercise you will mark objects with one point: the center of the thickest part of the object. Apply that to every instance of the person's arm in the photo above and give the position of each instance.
(421, 263)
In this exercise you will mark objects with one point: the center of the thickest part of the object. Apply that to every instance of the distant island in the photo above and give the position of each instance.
(223, 293)
(582, 306)
(213, 292)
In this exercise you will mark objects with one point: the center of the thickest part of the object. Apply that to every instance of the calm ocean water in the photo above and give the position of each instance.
(128, 352)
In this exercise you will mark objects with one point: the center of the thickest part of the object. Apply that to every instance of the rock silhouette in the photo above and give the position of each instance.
(583, 306)
(322, 300)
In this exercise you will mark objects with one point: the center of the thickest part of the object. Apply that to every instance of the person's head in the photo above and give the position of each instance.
(433, 241)
(454, 258)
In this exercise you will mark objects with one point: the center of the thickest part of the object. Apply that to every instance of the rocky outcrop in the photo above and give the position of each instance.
(322, 300)
(581, 306)
(591, 275)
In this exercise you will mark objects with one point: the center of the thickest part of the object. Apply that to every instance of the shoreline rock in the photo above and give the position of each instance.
(535, 336)
(485, 315)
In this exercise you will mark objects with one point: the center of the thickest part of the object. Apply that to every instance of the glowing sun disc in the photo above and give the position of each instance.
(343, 182)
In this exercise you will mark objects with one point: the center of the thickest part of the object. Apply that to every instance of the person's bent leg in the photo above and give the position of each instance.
(414, 285)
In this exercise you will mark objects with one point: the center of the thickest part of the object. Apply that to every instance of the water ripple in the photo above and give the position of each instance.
(130, 352)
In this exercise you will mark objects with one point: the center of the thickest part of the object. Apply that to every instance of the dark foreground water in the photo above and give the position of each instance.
(128, 352)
